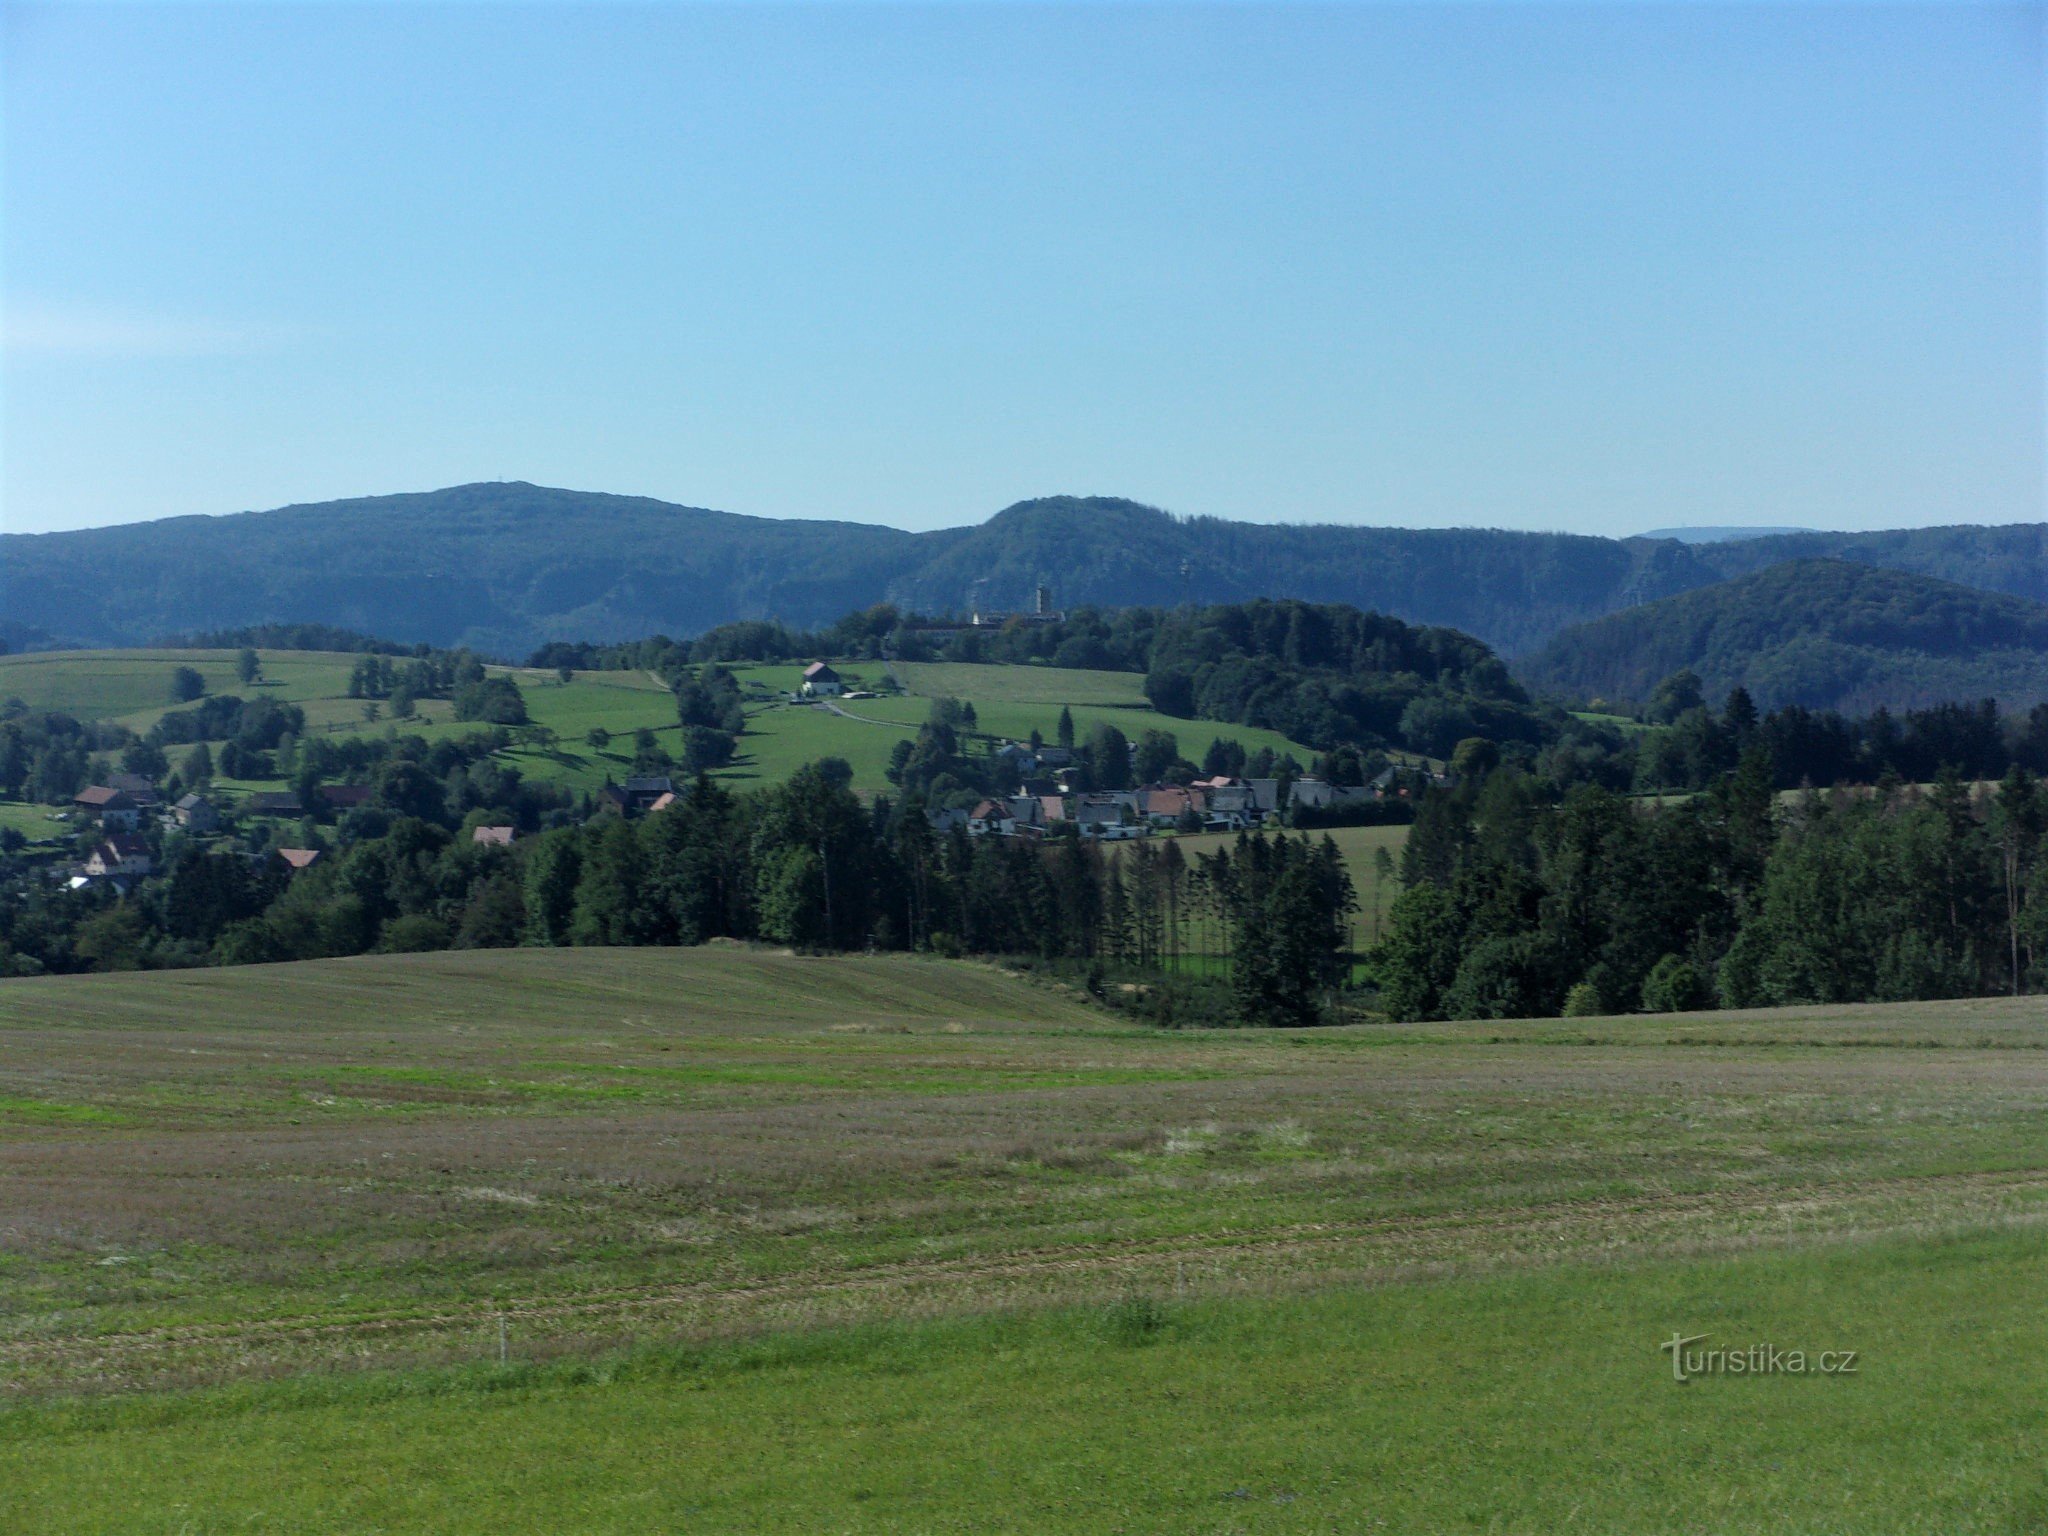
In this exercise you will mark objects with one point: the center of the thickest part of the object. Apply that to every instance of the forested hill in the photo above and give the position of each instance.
(500, 567)
(507, 567)
(1824, 633)
(1330, 675)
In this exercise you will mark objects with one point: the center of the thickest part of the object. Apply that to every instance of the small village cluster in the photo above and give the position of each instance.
(119, 806)
(1047, 805)
(1048, 802)
(1051, 799)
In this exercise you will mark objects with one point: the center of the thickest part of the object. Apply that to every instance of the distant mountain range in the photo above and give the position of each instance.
(1718, 535)
(507, 566)
(1823, 633)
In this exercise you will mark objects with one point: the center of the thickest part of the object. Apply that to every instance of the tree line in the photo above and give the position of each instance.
(1523, 903)
(1254, 932)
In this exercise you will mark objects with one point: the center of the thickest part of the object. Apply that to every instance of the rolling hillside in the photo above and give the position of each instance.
(505, 567)
(132, 688)
(1823, 633)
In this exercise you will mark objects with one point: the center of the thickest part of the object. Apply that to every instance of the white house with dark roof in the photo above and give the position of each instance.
(821, 682)
(118, 855)
(114, 809)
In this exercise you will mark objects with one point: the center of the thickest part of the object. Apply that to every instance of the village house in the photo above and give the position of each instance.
(494, 837)
(273, 802)
(343, 797)
(114, 809)
(637, 795)
(1232, 803)
(120, 854)
(990, 818)
(1027, 812)
(821, 682)
(1109, 813)
(1265, 797)
(644, 791)
(1164, 807)
(297, 859)
(195, 813)
(945, 821)
(136, 787)
(1316, 794)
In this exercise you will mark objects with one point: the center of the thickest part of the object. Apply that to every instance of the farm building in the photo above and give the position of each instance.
(112, 808)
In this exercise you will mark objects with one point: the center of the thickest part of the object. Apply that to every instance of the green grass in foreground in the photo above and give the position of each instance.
(1535, 1401)
(890, 1244)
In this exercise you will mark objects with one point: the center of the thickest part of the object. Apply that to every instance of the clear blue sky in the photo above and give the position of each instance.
(1602, 268)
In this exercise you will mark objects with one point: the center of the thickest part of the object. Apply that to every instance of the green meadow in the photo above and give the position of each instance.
(732, 1239)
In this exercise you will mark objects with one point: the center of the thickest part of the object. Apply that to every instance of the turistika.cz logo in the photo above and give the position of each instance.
(1757, 1360)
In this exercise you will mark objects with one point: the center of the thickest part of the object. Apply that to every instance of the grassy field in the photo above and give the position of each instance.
(134, 687)
(1015, 701)
(1530, 1402)
(895, 1244)
(34, 821)
(1024, 685)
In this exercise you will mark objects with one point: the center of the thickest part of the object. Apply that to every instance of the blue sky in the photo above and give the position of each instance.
(1602, 268)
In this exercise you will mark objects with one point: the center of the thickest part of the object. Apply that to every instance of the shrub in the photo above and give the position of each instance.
(413, 933)
(1583, 1002)
(1675, 986)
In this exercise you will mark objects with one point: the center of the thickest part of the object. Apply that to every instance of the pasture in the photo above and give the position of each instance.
(1014, 701)
(884, 1243)
(134, 687)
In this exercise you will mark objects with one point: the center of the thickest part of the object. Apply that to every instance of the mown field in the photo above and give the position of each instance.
(133, 688)
(879, 1243)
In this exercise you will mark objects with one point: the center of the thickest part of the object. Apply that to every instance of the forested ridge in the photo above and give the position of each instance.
(1822, 633)
(505, 567)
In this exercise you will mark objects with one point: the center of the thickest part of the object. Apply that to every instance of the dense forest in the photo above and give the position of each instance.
(1520, 904)
(504, 568)
(1330, 676)
(1826, 634)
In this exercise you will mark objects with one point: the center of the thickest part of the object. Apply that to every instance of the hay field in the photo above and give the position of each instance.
(978, 1257)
